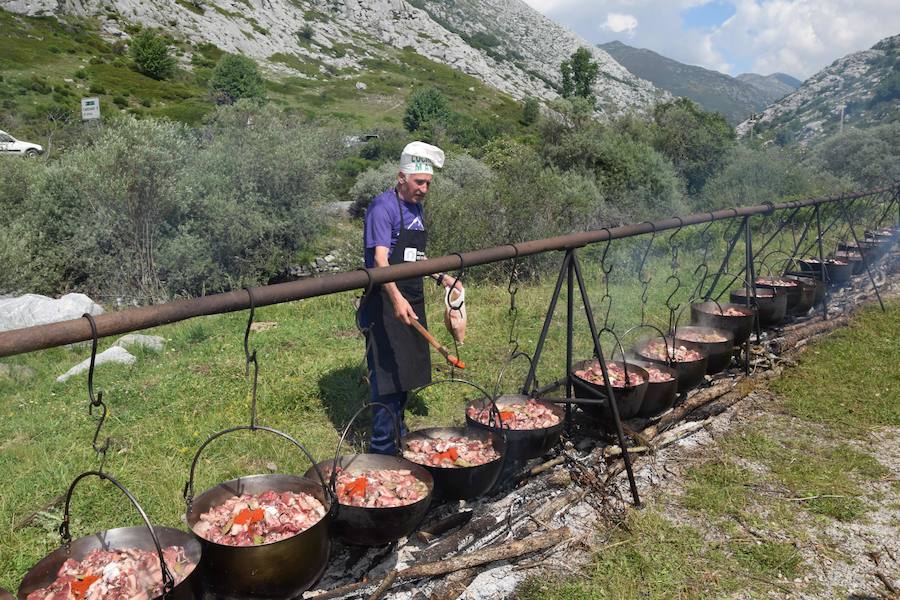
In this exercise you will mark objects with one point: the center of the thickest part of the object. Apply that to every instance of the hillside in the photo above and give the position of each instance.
(322, 48)
(866, 84)
(735, 98)
(777, 85)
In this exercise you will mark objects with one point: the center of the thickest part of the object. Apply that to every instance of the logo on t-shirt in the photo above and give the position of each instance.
(416, 223)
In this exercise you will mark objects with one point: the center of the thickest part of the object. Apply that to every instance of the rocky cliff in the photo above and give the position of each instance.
(504, 43)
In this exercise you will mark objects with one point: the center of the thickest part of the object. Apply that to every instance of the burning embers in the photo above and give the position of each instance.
(453, 452)
(657, 350)
(380, 488)
(530, 415)
(259, 519)
(129, 574)
(594, 374)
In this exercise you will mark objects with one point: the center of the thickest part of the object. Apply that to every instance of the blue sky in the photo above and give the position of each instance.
(798, 37)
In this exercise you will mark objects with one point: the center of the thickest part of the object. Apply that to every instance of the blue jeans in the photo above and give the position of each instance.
(383, 441)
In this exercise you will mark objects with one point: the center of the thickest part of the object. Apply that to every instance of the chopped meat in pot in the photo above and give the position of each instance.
(696, 336)
(594, 374)
(452, 452)
(128, 574)
(530, 415)
(657, 350)
(657, 375)
(259, 519)
(379, 488)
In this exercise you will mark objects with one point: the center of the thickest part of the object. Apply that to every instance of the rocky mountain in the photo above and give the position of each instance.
(504, 43)
(858, 90)
(735, 98)
(777, 85)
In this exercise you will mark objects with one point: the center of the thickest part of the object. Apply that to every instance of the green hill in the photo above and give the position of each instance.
(49, 63)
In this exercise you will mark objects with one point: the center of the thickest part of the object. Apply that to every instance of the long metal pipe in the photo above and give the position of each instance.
(38, 337)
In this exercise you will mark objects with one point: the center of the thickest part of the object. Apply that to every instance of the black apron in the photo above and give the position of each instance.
(402, 356)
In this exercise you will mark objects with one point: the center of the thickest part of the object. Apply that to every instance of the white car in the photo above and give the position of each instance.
(11, 146)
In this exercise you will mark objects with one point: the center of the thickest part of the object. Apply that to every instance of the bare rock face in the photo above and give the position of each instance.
(846, 86)
(504, 43)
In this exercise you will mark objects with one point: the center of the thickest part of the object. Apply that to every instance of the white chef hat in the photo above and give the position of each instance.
(419, 157)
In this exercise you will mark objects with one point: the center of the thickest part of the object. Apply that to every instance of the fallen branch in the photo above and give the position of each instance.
(805, 498)
(547, 465)
(384, 585)
(693, 403)
(436, 529)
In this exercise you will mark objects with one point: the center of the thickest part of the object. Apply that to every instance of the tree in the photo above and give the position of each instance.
(579, 74)
(531, 110)
(426, 105)
(150, 53)
(696, 141)
(234, 77)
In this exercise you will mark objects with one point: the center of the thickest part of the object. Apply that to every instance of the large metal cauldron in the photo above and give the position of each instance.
(837, 272)
(521, 444)
(690, 373)
(806, 278)
(660, 395)
(462, 483)
(375, 526)
(718, 353)
(771, 306)
(628, 397)
(708, 314)
(144, 537)
(791, 291)
(854, 258)
(282, 569)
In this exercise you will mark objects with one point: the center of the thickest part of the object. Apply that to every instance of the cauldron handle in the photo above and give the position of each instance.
(65, 534)
(494, 409)
(670, 357)
(621, 349)
(188, 492)
(332, 480)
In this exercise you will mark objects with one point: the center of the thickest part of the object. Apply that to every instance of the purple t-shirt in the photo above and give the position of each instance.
(382, 223)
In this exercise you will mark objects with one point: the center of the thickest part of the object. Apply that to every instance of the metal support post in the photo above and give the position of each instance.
(570, 327)
(547, 320)
(864, 257)
(824, 271)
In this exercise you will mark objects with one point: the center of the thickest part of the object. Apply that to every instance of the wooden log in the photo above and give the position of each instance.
(431, 532)
(790, 341)
(692, 403)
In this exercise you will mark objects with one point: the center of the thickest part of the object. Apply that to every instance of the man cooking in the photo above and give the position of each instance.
(397, 355)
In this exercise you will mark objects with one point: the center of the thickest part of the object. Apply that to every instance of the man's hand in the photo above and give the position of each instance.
(403, 311)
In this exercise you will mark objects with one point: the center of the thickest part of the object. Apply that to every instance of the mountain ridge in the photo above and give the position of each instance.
(518, 54)
(735, 98)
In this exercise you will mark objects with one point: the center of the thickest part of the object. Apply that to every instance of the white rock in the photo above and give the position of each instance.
(361, 86)
(115, 354)
(34, 309)
(153, 342)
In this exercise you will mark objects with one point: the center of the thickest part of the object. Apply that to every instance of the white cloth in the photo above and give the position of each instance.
(419, 157)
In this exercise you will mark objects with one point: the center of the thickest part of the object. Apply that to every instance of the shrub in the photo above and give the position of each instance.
(236, 77)
(426, 105)
(370, 183)
(151, 56)
(531, 110)
(869, 157)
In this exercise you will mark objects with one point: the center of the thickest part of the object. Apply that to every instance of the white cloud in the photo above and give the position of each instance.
(620, 23)
(798, 37)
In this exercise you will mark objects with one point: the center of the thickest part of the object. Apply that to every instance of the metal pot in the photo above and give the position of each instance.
(836, 273)
(628, 398)
(375, 526)
(869, 249)
(281, 569)
(144, 537)
(706, 314)
(854, 258)
(660, 395)
(690, 373)
(521, 444)
(809, 289)
(718, 353)
(775, 283)
(770, 305)
(462, 483)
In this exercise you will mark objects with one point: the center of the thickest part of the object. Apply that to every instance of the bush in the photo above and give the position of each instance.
(371, 183)
(236, 77)
(869, 157)
(426, 106)
(531, 110)
(150, 53)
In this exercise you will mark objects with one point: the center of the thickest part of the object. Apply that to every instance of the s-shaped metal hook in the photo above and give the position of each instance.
(98, 401)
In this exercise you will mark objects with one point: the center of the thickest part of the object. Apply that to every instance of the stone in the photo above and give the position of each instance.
(115, 354)
(34, 309)
(151, 342)
(321, 263)
(15, 372)
(361, 86)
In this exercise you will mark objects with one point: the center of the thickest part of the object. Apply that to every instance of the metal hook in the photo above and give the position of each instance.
(251, 358)
(646, 254)
(694, 294)
(674, 248)
(605, 251)
(462, 269)
(513, 289)
(673, 309)
(98, 401)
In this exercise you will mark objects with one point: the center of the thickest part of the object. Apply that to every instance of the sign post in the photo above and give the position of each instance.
(90, 109)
